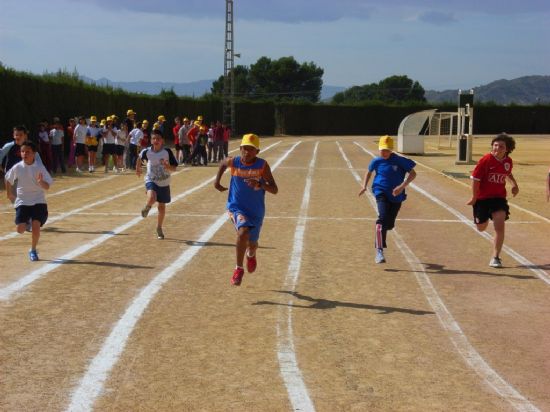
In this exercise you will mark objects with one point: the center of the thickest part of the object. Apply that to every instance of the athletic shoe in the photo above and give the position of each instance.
(145, 210)
(160, 234)
(495, 262)
(33, 255)
(77, 170)
(251, 263)
(237, 278)
(380, 256)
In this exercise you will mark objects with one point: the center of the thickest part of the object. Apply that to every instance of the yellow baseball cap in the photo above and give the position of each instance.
(185, 119)
(251, 139)
(102, 122)
(161, 118)
(130, 112)
(385, 143)
(93, 119)
(199, 117)
(145, 122)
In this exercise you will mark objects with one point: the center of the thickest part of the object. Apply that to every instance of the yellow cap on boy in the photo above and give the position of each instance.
(251, 139)
(385, 143)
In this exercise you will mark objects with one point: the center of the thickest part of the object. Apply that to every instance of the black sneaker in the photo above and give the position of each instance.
(160, 233)
(495, 262)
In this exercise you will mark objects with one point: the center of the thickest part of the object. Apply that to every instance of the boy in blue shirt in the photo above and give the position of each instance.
(251, 177)
(388, 187)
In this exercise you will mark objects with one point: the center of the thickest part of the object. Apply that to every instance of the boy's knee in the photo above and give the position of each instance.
(20, 229)
(243, 232)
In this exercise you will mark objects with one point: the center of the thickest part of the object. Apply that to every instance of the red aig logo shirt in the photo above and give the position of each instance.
(492, 173)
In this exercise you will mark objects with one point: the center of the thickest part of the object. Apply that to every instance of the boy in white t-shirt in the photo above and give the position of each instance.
(30, 203)
(160, 162)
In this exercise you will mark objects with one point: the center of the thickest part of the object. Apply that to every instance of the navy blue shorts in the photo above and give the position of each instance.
(35, 212)
(163, 192)
(484, 209)
(119, 150)
(109, 148)
(80, 150)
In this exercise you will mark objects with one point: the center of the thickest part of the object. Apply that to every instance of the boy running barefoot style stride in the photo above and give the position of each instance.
(388, 187)
(160, 162)
(250, 178)
(489, 191)
(30, 204)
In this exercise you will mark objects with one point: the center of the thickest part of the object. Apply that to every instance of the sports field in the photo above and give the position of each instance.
(112, 319)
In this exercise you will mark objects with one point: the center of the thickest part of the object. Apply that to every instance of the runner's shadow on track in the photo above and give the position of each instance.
(102, 232)
(318, 303)
(96, 263)
(437, 269)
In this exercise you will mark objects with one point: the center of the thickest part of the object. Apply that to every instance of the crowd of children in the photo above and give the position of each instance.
(119, 142)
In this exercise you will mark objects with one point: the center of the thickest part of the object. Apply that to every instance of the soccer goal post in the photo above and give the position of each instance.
(444, 125)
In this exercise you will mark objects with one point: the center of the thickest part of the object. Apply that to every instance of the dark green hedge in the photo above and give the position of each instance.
(27, 99)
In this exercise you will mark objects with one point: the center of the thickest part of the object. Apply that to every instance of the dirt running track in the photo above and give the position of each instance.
(112, 319)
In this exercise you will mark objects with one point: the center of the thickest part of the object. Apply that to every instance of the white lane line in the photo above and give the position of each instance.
(472, 358)
(191, 215)
(288, 364)
(7, 291)
(93, 381)
(541, 274)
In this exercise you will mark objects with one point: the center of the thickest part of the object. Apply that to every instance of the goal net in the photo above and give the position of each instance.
(444, 125)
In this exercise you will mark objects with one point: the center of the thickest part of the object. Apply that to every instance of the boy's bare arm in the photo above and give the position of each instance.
(269, 184)
(9, 191)
(221, 171)
(515, 187)
(365, 182)
(475, 192)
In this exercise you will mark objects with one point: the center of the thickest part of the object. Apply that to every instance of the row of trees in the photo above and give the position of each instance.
(393, 89)
(283, 79)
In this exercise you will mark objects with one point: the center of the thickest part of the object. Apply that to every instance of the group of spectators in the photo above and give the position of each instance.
(119, 142)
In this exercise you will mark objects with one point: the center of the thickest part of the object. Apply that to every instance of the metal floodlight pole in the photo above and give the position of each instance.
(228, 65)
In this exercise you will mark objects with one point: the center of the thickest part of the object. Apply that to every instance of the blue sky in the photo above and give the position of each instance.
(442, 44)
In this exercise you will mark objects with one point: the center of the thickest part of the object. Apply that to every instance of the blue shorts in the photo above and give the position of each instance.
(35, 212)
(240, 220)
(163, 192)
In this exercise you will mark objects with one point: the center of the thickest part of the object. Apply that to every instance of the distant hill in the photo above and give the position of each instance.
(523, 90)
(194, 89)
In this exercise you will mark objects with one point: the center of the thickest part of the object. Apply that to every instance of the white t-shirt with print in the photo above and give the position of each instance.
(156, 172)
(29, 192)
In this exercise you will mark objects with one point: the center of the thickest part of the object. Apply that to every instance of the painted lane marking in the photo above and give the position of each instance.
(93, 381)
(455, 333)
(288, 364)
(541, 274)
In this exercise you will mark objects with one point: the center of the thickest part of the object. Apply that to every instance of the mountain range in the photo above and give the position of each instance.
(522, 90)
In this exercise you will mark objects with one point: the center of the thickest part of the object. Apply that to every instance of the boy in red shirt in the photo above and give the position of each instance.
(489, 191)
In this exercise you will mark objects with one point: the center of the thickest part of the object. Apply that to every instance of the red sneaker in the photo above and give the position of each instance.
(251, 263)
(237, 277)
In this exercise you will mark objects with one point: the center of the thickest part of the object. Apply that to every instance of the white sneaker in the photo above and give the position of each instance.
(380, 256)
(495, 262)
(77, 170)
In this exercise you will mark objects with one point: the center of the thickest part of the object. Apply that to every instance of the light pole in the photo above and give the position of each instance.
(228, 66)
